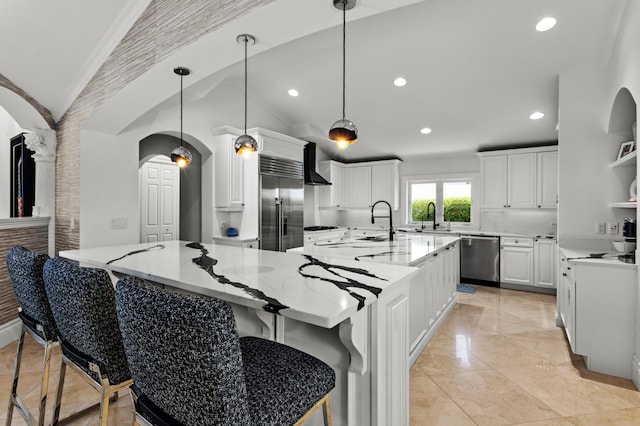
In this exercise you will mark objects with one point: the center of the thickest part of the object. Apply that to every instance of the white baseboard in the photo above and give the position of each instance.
(635, 371)
(10, 332)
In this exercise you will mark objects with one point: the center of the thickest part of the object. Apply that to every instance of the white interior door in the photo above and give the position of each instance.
(159, 200)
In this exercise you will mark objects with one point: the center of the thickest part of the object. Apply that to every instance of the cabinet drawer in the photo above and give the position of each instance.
(516, 242)
(309, 239)
(566, 269)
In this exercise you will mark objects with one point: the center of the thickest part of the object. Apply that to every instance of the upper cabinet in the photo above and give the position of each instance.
(229, 172)
(332, 195)
(519, 178)
(359, 185)
(236, 177)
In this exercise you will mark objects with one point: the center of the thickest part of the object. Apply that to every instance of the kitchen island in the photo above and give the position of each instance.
(432, 289)
(353, 316)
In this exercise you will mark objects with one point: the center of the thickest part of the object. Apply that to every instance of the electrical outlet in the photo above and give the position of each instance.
(119, 223)
(613, 228)
(601, 228)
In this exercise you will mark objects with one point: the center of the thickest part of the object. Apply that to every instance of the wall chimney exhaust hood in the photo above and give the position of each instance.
(311, 177)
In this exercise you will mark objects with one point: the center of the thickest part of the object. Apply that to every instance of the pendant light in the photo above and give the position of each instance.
(343, 132)
(245, 144)
(181, 155)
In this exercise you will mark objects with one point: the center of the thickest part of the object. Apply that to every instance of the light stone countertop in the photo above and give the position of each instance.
(580, 255)
(311, 288)
(405, 249)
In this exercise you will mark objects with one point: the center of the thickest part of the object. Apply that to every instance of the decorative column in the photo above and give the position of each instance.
(43, 142)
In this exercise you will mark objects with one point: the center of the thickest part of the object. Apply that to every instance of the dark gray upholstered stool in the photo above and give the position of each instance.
(82, 301)
(191, 368)
(25, 274)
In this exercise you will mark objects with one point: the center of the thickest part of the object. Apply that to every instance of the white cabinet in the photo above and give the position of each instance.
(332, 195)
(385, 181)
(357, 180)
(493, 171)
(516, 261)
(598, 309)
(544, 257)
(432, 295)
(519, 178)
(326, 237)
(229, 174)
(359, 185)
(547, 179)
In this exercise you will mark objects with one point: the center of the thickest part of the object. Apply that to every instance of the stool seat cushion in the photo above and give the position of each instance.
(283, 383)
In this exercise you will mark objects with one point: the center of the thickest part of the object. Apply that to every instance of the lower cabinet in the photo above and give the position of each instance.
(597, 305)
(516, 261)
(432, 295)
(544, 263)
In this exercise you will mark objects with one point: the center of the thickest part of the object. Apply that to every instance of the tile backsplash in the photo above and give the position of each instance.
(525, 221)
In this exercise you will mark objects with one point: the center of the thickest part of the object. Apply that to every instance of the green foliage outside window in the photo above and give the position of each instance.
(456, 209)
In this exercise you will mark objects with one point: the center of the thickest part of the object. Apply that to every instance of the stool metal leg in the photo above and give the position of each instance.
(14, 399)
(326, 412)
(16, 373)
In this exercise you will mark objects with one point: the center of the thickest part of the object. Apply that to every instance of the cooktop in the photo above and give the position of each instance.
(319, 228)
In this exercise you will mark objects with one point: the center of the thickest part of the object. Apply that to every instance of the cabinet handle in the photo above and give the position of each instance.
(564, 274)
(538, 206)
(569, 267)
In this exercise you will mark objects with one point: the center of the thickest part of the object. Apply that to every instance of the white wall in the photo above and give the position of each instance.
(109, 163)
(8, 129)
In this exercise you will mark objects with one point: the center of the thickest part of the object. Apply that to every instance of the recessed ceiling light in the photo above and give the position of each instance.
(425, 130)
(293, 92)
(536, 115)
(399, 81)
(546, 24)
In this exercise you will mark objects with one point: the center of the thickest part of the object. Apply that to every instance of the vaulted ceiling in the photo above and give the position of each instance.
(475, 70)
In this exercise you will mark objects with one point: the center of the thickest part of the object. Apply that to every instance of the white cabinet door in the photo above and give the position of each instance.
(521, 188)
(494, 181)
(229, 175)
(383, 184)
(545, 263)
(547, 180)
(331, 195)
(357, 181)
(516, 265)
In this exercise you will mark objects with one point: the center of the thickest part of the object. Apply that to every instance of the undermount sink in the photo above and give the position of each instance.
(375, 238)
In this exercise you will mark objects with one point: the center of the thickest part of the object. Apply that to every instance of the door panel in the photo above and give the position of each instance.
(292, 206)
(160, 201)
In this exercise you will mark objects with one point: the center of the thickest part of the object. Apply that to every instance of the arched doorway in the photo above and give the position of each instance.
(190, 187)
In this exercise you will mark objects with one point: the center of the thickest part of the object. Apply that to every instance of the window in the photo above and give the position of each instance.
(450, 199)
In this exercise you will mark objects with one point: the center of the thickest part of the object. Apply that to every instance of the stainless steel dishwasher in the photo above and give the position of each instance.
(480, 260)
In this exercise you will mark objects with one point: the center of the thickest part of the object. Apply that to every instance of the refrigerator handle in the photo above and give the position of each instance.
(279, 224)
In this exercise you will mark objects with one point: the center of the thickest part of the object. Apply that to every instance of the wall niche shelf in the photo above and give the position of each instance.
(626, 161)
(624, 205)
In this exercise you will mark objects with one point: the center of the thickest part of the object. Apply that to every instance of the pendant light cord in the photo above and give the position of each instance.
(246, 41)
(344, 55)
(181, 77)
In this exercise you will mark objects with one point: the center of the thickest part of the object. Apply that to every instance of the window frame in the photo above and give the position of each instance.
(439, 180)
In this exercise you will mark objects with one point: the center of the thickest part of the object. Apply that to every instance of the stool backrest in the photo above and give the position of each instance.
(83, 304)
(25, 273)
(184, 353)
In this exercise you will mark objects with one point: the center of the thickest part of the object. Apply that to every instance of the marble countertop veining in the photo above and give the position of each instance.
(315, 289)
(405, 249)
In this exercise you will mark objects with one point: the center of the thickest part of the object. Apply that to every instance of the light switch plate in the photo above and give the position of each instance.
(601, 228)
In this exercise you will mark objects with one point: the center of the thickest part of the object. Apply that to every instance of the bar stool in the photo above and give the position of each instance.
(25, 274)
(83, 305)
(191, 368)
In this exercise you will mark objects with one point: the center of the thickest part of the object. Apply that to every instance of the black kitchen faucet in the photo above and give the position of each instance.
(390, 217)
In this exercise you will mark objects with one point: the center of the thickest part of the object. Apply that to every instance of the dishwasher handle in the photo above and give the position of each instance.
(480, 237)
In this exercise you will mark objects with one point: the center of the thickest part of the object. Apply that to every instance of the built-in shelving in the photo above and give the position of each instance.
(625, 205)
(626, 161)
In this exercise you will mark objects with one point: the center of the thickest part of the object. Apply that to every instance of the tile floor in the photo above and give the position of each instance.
(499, 359)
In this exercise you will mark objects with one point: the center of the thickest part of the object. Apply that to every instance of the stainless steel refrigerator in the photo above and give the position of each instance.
(281, 203)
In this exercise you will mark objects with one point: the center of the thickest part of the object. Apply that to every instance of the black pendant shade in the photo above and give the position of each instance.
(181, 155)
